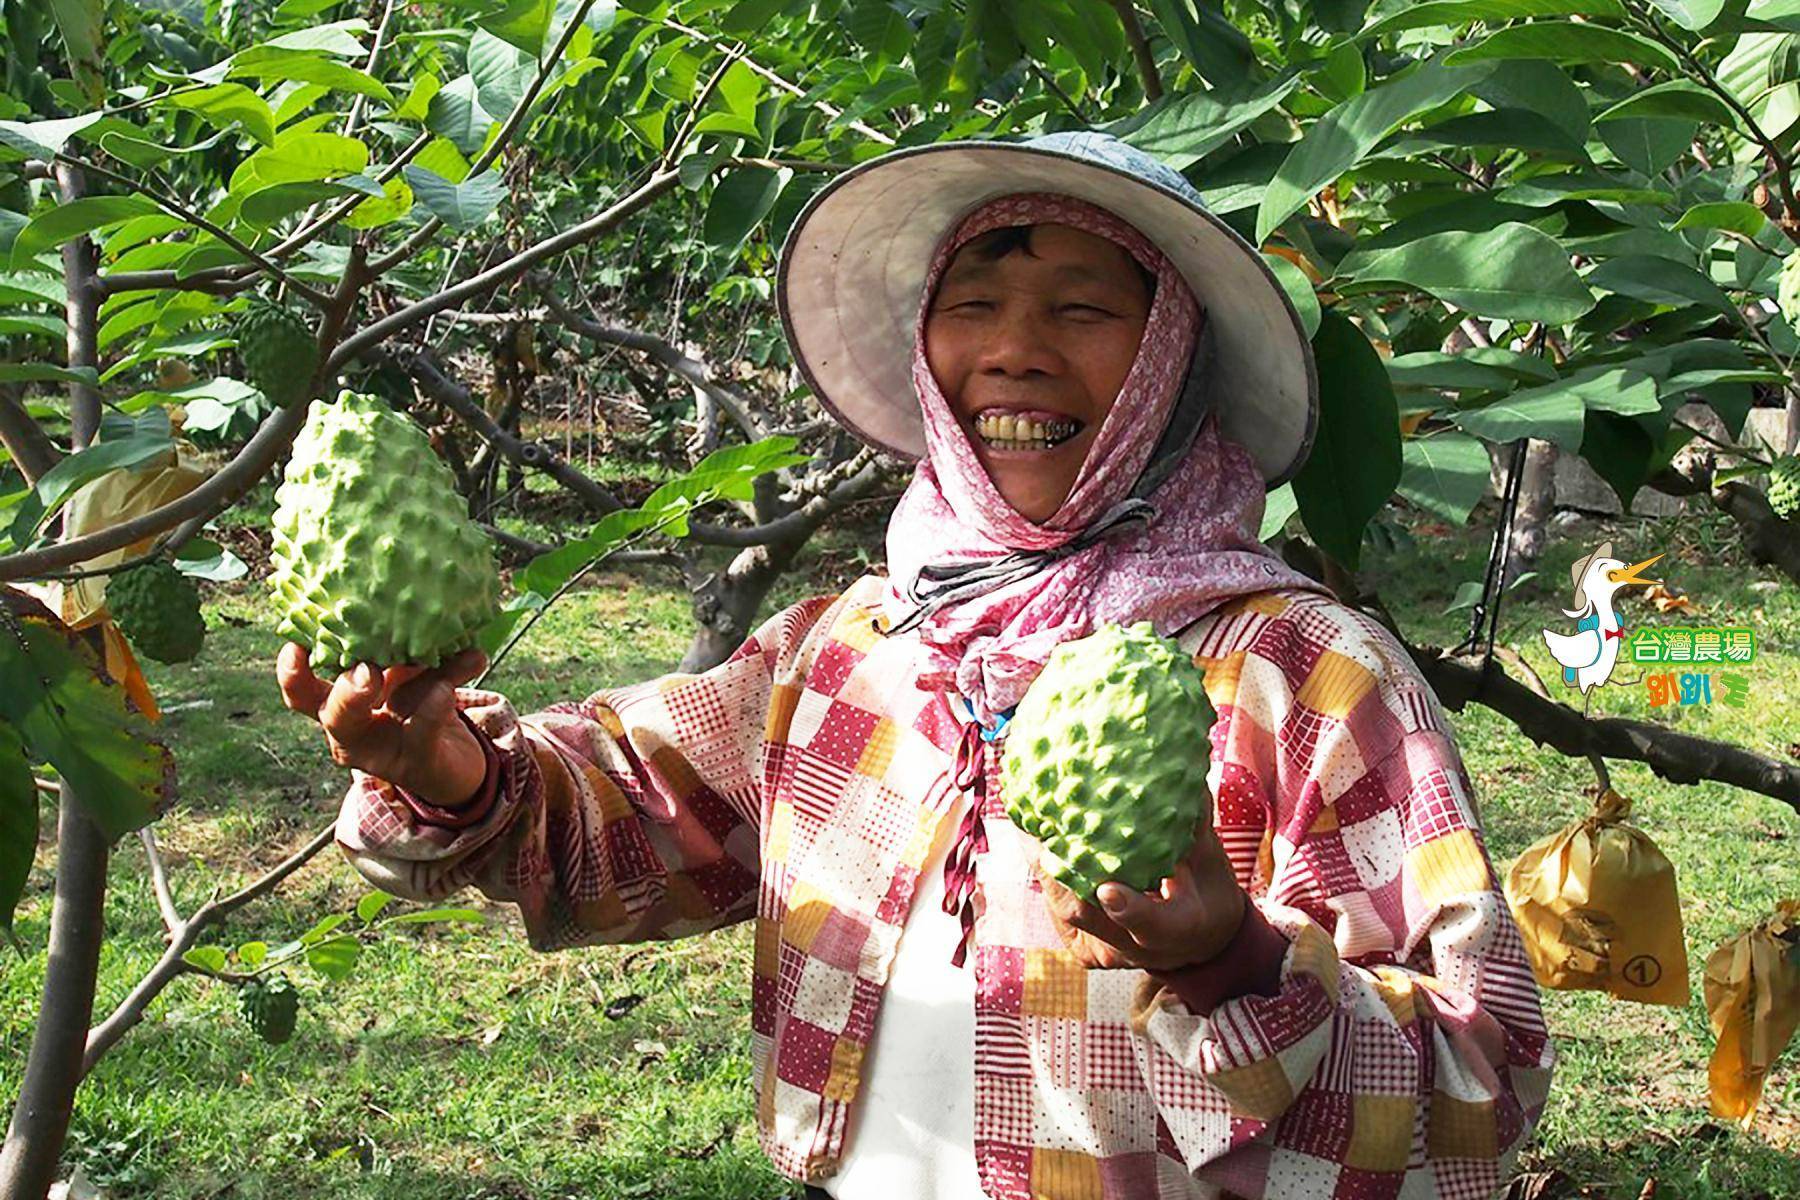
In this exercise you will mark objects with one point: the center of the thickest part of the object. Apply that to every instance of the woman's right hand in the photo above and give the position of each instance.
(399, 724)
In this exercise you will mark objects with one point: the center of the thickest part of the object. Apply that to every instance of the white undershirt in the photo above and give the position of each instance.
(912, 1125)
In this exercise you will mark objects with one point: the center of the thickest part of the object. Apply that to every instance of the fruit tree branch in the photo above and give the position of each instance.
(24, 439)
(1140, 48)
(130, 1011)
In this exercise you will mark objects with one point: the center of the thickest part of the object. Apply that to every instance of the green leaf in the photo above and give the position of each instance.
(1278, 506)
(1511, 271)
(1676, 98)
(1540, 87)
(394, 202)
(228, 106)
(1543, 190)
(46, 373)
(144, 154)
(203, 559)
(1355, 461)
(501, 72)
(301, 157)
(337, 37)
(335, 959)
(462, 206)
(81, 23)
(206, 958)
(418, 98)
(52, 695)
(185, 346)
(371, 905)
(455, 113)
(1691, 14)
(1459, 12)
(1552, 412)
(1183, 129)
(1567, 42)
(1738, 216)
(429, 915)
(1658, 280)
(18, 826)
(1218, 50)
(1446, 474)
(740, 200)
(1478, 369)
(57, 484)
(1339, 138)
(301, 67)
(252, 954)
(265, 206)
(323, 928)
(43, 140)
(74, 218)
(1648, 144)
(1299, 291)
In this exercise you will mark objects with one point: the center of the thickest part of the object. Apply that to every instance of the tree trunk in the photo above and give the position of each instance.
(1537, 501)
(40, 1117)
(725, 605)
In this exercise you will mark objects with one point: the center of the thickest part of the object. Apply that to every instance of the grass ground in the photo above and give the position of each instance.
(457, 1063)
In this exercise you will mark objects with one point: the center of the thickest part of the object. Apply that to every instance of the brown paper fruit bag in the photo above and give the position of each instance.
(1597, 907)
(1752, 989)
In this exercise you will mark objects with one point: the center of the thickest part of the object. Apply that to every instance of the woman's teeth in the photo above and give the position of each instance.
(1021, 433)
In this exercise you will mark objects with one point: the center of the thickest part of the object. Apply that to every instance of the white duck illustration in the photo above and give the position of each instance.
(1588, 655)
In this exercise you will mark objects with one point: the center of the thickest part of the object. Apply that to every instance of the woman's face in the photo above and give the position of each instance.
(1036, 343)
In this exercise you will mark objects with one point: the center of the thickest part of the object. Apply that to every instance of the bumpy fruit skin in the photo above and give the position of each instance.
(1106, 759)
(158, 609)
(374, 559)
(279, 352)
(1784, 487)
(270, 1007)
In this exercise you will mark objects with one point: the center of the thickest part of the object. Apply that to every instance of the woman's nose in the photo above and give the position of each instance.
(1017, 342)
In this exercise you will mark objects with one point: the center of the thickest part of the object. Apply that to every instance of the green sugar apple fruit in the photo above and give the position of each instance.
(1106, 759)
(374, 559)
(279, 351)
(270, 1007)
(1784, 487)
(158, 609)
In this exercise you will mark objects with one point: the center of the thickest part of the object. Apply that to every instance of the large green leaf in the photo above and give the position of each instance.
(1659, 280)
(303, 67)
(1738, 216)
(61, 481)
(43, 140)
(1510, 271)
(1555, 411)
(1181, 130)
(1648, 144)
(1543, 190)
(55, 694)
(501, 71)
(1338, 139)
(1218, 50)
(18, 826)
(82, 25)
(1355, 461)
(228, 106)
(1445, 474)
(456, 114)
(1568, 42)
(300, 157)
(740, 199)
(462, 206)
(1691, 14)
(1676, 98)
(1540, 87)
(1483, 368)
(65, 222)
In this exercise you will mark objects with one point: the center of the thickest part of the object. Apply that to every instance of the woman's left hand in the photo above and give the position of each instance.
(1194, 917)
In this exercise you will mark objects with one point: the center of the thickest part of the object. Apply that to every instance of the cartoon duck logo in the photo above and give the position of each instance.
(1589, 654)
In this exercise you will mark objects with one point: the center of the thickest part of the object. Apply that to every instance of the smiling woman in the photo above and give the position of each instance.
(1031, 334)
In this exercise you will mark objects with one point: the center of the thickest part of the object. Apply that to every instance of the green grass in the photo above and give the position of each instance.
(457, 1063)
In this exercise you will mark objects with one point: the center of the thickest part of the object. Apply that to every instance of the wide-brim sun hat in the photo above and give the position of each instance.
(854, 262)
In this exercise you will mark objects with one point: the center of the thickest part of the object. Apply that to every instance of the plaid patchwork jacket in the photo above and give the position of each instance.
(1403, 1053)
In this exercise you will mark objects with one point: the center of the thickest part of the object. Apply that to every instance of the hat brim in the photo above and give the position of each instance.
(855, 258)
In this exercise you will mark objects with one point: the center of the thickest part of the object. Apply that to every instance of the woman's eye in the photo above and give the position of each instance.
(1087, 308)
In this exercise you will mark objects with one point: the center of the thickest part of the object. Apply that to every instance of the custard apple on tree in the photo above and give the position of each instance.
(279, 352)
(1106, 759)
(1784, 487)
(157, 608)
(270, 1007)
(374, 557)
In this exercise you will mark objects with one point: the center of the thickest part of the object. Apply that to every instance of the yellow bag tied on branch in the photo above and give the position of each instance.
(1597, 906)
(1753, 998)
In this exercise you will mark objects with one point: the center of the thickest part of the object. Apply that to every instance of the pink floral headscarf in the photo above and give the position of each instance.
(1198, 550)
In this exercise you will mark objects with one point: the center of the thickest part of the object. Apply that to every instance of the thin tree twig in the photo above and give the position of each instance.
(130, 1010)
(178, 209)
(1140, 48)
(830, 110)
(159, 881)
